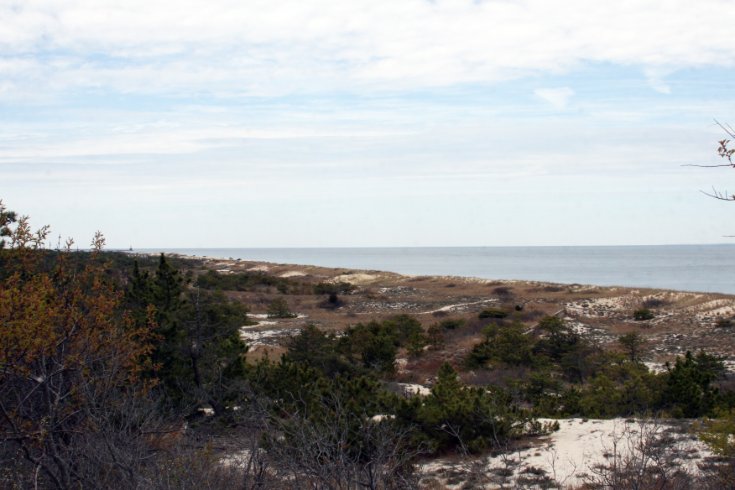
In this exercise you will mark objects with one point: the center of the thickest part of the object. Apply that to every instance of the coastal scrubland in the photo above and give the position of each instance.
(123, 370)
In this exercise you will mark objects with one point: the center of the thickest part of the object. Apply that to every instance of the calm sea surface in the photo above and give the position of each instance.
(708, 268)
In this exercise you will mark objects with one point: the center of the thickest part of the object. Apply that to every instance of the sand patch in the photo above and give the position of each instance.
(292, 274)
(356, 278)
(655, 367)
(711, 305)
(599, 307)
(259, 268)
(458, 306)
(411, 389)
(571, 455)
(255, 335)
(711, 311)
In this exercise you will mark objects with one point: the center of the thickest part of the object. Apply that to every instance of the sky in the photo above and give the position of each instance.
(321, 123)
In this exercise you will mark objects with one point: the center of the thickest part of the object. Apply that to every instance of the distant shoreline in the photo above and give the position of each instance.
(695, 268)
(683, 320)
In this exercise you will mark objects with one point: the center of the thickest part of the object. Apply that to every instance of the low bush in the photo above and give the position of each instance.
(452, 323)
(278, 308)
(642, 314)
(492, 313)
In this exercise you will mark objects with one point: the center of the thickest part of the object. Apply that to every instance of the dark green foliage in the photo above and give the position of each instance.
(323, 429)
(492, 313)
(332, 302)
(211, 340)
(408, 332)
(642, 314)
(313, 348)
(167, 287)
(632, 343)
(161, 293)
(558, 339)
(654, 303)
(286, 384)
(278, 308)
(553, 347)
(435, 336)
(247, 281)
(7, 218)
(507, 344)
(455, 416)
(333, 288)
(405, 327)
(725, 323)
(570, 376)
(581, 361)
(372, 346)
(543, 390)
(198, 357)
(562, 346)
(689, 389)
(364, 347)
(297, 388)
(621, 389)
(452, 324)
(503, 291)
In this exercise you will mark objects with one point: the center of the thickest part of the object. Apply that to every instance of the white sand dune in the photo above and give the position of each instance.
(573, 453)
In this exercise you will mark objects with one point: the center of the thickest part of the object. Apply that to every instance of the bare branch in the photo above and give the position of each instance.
(722, 196)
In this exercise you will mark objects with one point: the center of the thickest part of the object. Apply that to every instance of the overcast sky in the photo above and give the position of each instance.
(250, 123)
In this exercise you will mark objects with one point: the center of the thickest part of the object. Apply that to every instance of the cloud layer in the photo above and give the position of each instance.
(265, 47)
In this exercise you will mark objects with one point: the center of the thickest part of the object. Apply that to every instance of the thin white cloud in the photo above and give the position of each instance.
(557, 97)
(148, 140)
(655, 79)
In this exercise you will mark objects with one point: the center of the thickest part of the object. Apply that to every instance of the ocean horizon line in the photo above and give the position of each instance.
(340, 247)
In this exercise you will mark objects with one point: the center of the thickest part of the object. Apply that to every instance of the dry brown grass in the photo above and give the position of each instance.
(684, 320)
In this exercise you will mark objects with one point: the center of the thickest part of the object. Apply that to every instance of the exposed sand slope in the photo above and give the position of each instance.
(573, 454)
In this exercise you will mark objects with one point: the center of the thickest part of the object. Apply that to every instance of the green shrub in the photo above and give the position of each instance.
(642, 314)
(333, 288)
(492, 313)
(724, 323)
(371, 345)
(451, 324)
(508, 345)
(456, 416)
(279, 309)
(246, 281)
(503, 291)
